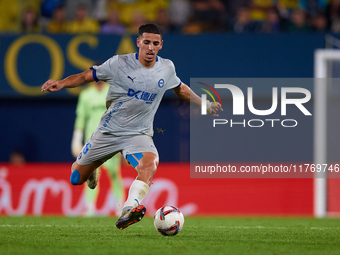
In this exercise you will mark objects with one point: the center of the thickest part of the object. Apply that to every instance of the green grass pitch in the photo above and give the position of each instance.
(74, 235)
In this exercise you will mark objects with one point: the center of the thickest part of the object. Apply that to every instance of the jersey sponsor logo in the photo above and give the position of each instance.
(161, 83)
(142, 95)
(109, 116)
(132, 78)
(80, 154)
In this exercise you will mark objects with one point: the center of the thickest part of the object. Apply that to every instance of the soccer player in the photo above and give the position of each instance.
(137, 84)
(91, 106)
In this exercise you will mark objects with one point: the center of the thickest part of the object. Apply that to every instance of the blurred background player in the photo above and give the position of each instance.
(90, 107)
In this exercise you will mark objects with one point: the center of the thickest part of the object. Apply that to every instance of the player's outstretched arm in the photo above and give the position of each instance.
(185, 93)
(69, 82)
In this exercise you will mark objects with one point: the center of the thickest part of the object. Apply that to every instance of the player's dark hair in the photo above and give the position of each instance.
(150, 28)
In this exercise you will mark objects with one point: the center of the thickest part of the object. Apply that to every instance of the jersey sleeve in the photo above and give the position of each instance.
(173, 81)
(107, 70)
(80, 113)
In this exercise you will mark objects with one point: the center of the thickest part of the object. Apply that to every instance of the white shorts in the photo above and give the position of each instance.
(100, 147)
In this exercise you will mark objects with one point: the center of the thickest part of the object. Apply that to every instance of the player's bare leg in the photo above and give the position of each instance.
(82, 173)
(146, 166)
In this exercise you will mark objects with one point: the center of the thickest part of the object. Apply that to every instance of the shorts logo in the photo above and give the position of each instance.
(161, 83)
(142, 95)
(86, 148)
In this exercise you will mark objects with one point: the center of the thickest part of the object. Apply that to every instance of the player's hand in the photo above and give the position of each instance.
(213, 108)
(51, 86)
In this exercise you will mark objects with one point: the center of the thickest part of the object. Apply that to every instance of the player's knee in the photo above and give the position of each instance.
(145, 163)
(75, 177)
(148, 167)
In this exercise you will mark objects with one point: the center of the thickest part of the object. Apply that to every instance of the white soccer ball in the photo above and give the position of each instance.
(168, 220)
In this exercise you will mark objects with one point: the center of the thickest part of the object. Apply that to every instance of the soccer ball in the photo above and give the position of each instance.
(168, 220)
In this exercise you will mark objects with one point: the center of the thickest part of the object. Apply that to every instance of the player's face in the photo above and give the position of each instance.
(149, 44)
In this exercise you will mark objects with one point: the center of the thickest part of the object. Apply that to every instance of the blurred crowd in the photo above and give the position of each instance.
(174, 16)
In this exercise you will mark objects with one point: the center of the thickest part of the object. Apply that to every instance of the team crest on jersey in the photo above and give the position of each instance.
(161, 83)
(142, 95)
